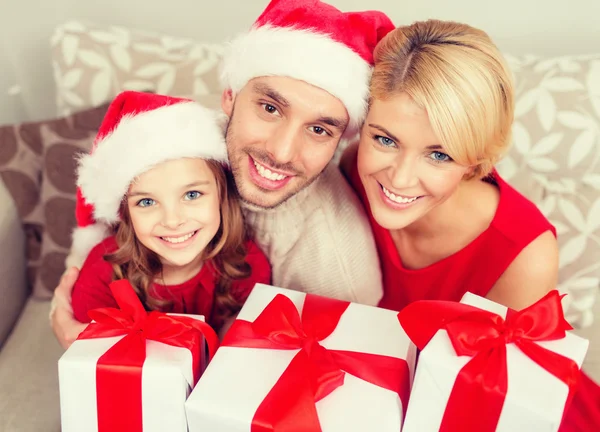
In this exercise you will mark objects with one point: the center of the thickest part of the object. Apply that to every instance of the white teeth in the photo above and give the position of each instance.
(264, 172)
(178, 239)
(398, 199)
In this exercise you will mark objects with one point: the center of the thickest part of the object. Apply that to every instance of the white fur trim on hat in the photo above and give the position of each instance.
(141, 141)
(84, 240)
(301, 54)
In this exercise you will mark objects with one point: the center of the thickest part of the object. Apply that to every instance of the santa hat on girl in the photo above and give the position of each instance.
(314, 42)
(139, 131)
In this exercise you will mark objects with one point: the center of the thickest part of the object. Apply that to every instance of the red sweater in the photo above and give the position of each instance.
(195, 296)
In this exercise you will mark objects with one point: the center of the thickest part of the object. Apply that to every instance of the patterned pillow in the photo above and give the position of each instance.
(92, 64)
(70, 137)
(20, 170)
(37, 164)
(555, 161)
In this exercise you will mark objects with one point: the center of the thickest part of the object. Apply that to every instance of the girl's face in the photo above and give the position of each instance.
(404, 169)
(175, 210)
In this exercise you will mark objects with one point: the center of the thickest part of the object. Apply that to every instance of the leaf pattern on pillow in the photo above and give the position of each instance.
(92, 64)
(555, 162)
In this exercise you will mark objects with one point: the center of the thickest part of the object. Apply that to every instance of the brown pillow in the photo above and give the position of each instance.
(20, 170)
(63, 140)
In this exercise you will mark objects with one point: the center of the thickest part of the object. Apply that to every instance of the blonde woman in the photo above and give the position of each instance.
(444, 221)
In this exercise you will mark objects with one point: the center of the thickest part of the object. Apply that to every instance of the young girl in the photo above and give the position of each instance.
(444, 221)
(156, 181)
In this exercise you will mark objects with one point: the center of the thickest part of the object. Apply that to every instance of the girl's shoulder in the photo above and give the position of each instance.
(254, 255)
(107, 246)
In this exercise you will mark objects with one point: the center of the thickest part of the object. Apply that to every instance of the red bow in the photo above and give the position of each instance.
(482, 384)
(315, 371)
(119, 370)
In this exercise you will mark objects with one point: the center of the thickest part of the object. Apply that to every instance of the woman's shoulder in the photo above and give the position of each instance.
(517, 216)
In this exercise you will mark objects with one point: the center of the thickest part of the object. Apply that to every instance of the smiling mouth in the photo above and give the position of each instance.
(398, 198)
(180, 239)
(267, 173)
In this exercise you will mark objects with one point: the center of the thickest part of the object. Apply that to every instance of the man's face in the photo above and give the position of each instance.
(282, 133)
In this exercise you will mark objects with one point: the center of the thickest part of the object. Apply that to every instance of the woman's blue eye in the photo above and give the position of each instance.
(192, 195)
(440, 157)
(385, 141)
(145, 202)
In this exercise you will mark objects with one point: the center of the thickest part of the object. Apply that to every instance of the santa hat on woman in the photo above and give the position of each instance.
(139, 131)
(314, 42)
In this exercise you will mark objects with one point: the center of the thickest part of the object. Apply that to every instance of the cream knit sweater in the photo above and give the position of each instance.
(320, 241)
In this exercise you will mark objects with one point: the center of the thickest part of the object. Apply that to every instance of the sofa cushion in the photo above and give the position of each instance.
(69, 137)
(37, 166)
(555, 161)
(29, 397)
(93, 63)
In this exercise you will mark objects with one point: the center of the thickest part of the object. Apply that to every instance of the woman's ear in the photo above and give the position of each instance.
(471, 172)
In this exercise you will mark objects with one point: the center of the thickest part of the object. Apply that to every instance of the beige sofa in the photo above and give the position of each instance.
(555, 162)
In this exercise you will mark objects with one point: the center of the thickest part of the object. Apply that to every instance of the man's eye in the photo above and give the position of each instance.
(269, 108)
(319, 130)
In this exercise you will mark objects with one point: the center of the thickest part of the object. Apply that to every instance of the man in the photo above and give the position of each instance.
(295, 85)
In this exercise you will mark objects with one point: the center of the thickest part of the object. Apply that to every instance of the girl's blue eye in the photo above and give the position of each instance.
(385, 141)
(192, 195)
(145, 202)
(440, 157)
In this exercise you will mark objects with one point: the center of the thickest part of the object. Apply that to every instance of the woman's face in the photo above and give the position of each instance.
(404, 169)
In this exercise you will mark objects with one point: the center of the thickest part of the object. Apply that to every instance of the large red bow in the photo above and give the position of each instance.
(482, 384)
(315, 371)
(119, 370)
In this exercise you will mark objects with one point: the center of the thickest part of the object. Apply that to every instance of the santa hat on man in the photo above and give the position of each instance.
(139, 131)
(314, 42)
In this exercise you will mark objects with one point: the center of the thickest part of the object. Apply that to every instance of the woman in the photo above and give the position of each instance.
(444, 221)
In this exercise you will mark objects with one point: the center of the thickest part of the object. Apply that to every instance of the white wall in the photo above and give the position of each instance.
(517, 26)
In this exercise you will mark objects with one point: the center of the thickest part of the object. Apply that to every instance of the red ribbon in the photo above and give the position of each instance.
(119, 370)
(482, 384)
(315, 371)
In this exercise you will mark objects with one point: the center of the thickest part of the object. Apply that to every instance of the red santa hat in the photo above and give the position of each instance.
(314, 42)
(139, 131)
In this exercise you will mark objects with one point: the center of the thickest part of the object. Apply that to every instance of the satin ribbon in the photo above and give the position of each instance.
(482, 384)
(119, 370)
(315, 371)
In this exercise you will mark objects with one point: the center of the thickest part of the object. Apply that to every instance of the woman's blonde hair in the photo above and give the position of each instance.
(460, 78)
(133, 261)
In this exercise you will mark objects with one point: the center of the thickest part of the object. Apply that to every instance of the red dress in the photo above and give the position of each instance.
(195, 296)
(476, 268)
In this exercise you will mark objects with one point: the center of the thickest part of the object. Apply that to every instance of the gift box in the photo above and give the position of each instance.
(484, 367)
(297, 362)
(131, 370)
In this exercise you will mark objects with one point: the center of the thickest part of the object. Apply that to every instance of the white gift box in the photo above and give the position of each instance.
(167, 380)
(238, 379)
(535, 399)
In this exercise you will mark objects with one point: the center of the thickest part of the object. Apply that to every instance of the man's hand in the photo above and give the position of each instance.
(66, 328)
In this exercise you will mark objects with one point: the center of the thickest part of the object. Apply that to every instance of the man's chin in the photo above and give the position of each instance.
(261, 200)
